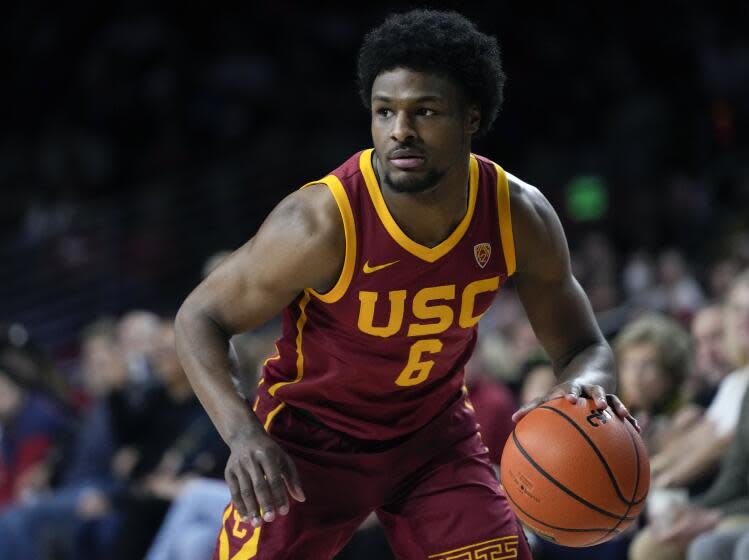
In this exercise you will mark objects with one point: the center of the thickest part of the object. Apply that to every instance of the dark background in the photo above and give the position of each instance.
(137, 140)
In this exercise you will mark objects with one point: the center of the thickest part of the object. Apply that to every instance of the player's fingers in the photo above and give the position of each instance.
(272, 468)
(573, 392)
(526, 408)
(236, 496)
(248, 498)
(291, 477)
(598, 394)
(621, 411)
(263, 493)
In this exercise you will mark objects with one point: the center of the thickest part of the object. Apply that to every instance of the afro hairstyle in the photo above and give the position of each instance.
(446, 43)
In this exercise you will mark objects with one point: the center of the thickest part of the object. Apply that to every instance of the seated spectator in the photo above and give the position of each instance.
(713, 524)
(179, 444)
(54, 519)
(711, 363)
(137, 332)
(30, 424)
(653, 357)
(690, 456)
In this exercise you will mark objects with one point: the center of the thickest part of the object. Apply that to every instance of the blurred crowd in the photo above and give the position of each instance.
(140, 141)
(118, 458)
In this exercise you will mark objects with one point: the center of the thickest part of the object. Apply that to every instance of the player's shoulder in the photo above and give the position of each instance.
(312, 209)
(318, 206)
(528, 204)
(537, 231)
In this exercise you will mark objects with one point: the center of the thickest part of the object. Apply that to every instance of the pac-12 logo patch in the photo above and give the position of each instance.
(482, 252)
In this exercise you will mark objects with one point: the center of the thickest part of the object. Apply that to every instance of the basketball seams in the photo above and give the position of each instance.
(598, 453)
(562, 487)
(637, 484)
(568, 529)
(634, 491)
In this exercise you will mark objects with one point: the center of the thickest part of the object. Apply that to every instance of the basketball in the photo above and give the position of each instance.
(575, 475)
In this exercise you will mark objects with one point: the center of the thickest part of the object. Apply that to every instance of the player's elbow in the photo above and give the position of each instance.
(195, 316)
(189, 316)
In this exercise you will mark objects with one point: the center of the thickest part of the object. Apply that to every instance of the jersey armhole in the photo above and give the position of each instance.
(505, 220)
(349, 231)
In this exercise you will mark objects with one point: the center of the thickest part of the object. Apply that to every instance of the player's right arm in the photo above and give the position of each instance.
(300, 245)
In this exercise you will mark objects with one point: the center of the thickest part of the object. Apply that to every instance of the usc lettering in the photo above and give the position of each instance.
(423, 308)
(430, 305)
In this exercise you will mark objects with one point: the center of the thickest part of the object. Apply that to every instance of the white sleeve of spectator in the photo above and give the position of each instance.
(724, 409)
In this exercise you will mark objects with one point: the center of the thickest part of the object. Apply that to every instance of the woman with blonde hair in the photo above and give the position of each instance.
(654, 355)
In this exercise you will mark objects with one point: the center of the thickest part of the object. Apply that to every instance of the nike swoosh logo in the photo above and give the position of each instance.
(370, 269)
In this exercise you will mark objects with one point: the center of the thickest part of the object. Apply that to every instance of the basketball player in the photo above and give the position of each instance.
(383, 269)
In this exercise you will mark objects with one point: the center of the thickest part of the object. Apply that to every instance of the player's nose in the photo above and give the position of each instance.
(403, 128)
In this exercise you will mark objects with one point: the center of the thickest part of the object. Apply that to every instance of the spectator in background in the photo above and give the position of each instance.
(711, 364)
(179, 444)
(722, 276)
(715, 525)
(30, 424)
(53, 521)
(690, 457)
(737, 320)
(653, 356)
(677, 293)
(138, 332)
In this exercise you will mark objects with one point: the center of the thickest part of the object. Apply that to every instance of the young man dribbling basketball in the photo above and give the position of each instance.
(383, 269)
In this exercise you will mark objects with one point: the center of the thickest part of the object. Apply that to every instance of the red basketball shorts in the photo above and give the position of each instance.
(434, 492)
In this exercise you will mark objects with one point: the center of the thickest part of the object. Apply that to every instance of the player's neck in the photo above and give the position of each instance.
(429, 217)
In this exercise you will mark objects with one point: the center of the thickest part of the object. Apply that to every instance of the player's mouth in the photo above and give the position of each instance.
(407, 163)
(406, 158)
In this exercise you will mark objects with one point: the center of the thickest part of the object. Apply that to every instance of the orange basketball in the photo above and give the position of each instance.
(575, 475)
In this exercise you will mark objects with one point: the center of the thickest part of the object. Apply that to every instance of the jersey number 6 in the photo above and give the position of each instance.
(416, 370)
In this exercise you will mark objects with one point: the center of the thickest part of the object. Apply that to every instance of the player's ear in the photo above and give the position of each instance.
(473, 118)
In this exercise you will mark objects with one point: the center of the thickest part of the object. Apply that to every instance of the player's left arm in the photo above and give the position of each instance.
(557, 306)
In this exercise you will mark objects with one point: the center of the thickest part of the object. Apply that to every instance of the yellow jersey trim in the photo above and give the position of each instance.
(223, 539)
(505, 220)
(429, 254)
(301, 321)
(349, 231)
(272, 415)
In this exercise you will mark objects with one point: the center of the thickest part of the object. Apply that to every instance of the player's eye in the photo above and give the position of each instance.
(384, 112)
(426, 112)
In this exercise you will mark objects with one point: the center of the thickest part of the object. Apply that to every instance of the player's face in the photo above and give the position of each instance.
(421, 128)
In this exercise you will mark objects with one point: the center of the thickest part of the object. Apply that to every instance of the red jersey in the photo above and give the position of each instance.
(382, 353)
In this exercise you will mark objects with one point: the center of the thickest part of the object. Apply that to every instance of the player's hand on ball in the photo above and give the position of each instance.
(261, 476)
(572, 390)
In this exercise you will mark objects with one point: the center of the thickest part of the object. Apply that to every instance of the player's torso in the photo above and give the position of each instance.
(381, 353)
